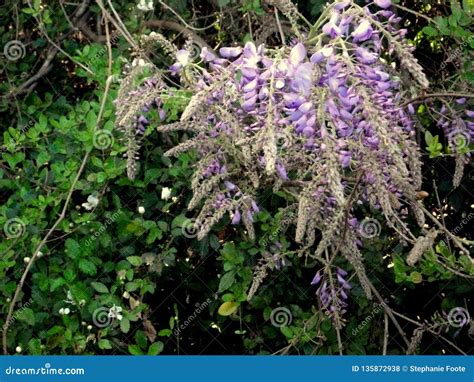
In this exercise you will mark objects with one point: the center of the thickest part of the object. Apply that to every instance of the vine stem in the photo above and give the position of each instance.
(336, 313)
(430, 330)
(61, 217)
(429, 19)
(436, 95)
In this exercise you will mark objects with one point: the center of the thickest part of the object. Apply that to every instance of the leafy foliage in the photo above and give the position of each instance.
(114, 278)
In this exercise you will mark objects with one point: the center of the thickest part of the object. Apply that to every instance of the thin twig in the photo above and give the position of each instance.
(280, 29)
(336, 313)
(182, 20)
(389, 312)
(430, 330)
(427, 18)
(436, 95)
(435, 188)
(385, 334)
(456, 240)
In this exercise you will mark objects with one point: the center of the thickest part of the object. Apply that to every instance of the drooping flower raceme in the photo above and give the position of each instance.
(321, 119)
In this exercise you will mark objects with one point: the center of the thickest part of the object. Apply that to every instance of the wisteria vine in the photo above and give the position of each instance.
(322, 119)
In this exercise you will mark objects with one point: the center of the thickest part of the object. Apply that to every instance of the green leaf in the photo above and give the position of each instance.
(135, 350)
(226, 281)
(136, 261)
(125, 325)
(416, 277)
(87, 267)
(430, 31)
(42, 158)
(99, 287)
(141, 339)
(165, 332)
(73, 249)
(156, 348)
(56, 283)
(227, 308)
(26, 315)
(287, 331)
(104, 344)
(428, 138)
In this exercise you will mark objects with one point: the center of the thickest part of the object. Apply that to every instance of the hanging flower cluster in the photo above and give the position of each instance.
(322, 119)
(333, 294)
(457, 124)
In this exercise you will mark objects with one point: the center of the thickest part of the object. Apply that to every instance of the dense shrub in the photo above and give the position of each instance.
(95, 263)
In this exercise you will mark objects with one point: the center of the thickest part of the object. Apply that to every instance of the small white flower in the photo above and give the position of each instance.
(18, 349)
(126, 295)
(182, 57)
(61, 311)
(39, 254)
(145, 5)
(67, 311)
(141, 210)
(92, 202)
(89, 327)
(69, 298)
(165, 193)
(26, 260)
(114, 312)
